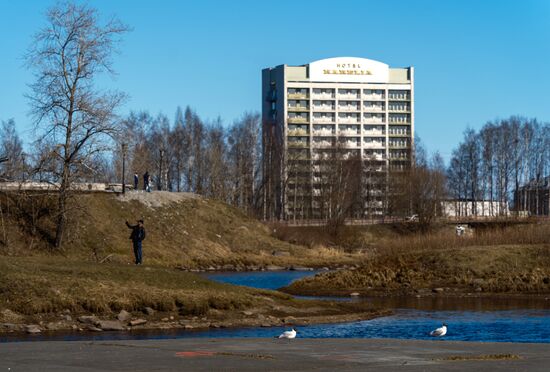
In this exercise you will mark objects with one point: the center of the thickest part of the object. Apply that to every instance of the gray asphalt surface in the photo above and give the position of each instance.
(248, 354)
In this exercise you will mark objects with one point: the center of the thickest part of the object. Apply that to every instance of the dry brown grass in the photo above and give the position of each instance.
(486, 269)
(36, 288)
(444, 238)
(183, 230)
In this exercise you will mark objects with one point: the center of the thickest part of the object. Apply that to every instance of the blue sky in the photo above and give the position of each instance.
(474, 60)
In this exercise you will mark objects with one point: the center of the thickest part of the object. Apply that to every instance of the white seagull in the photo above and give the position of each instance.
(439, 332)
(288, 334)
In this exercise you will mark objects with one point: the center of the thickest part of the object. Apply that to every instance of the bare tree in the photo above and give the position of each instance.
(11, 149)
(177, 142)
(244, 152)
(71, 114)
(217, 168)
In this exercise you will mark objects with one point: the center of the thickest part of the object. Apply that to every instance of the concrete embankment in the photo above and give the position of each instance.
(233, 354)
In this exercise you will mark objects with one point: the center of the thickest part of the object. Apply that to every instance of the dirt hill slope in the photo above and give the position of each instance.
(183, 230)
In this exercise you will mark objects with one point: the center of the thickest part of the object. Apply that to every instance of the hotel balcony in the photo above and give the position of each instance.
(322, 144)
(374, 97)
(399, 97)
(373, 132)
(399, 108)
(398, 145)
(298, 144)
(373, 108)
(398, 156)
(348, 97)
(373, 119)
(351, 144)
(349, 132)
(378, 157)
(323, 120)
(323, 132)
(354, 108)
(348, 94)
(298, 133)
(298, 120)
(401, 134)
(348, 120)
(374, 145)
(298, 96)
(298, 108)
(323, 95)
(351, 118)
(318, 93)
(399, 121)
(323, 108)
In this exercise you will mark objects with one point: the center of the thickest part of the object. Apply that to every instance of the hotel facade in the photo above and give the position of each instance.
(360, 108)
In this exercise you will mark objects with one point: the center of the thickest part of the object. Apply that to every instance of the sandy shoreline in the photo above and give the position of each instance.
(251, 354)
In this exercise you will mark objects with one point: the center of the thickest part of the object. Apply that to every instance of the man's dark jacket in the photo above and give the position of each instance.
(138, 233)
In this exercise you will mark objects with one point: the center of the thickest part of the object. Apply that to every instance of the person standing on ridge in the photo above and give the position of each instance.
(146, 180)
(137, 236)
(136, 181)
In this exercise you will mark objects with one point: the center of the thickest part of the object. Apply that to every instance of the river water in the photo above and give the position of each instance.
(468, 319)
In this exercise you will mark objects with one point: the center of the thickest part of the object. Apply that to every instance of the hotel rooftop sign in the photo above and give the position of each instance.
(349, 69)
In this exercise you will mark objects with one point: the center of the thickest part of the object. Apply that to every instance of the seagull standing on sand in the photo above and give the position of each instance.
(439, 332)
(288, 334)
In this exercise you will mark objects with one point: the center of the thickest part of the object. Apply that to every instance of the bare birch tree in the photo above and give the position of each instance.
(11, 149)
(71, 114)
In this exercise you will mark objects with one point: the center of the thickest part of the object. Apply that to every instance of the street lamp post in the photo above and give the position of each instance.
(124, 149)
(160, 168)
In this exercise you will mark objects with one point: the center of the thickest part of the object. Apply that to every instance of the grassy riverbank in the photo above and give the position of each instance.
(44, 291)
(452, 270)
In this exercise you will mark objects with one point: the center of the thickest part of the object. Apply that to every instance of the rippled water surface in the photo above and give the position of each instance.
(468, 319)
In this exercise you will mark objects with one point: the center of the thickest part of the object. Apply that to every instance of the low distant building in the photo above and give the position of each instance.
(474, 208)
(50, 186)
(533, 198)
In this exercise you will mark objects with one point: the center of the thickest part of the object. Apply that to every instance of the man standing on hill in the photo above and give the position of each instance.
(137, 236)
(146, 180)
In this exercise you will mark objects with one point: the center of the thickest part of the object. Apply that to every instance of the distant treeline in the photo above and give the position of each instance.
(494, 162)
(187, 154)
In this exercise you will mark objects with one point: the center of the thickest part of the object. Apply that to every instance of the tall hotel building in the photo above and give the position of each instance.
(359, 106)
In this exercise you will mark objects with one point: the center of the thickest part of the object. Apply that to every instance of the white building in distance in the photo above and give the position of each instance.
(478, 208)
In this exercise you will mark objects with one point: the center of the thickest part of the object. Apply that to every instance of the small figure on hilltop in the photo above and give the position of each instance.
(137, 236)
(136, 181)
(146, 180)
